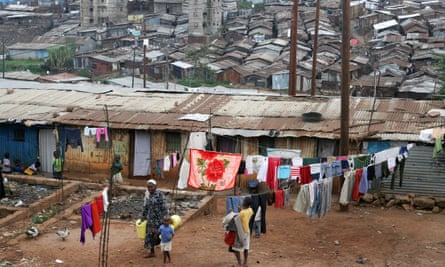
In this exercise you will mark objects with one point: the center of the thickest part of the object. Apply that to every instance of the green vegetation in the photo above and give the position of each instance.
(61, 59)
(245, 5)
(440, 67)
(44, 215)
(34, 66)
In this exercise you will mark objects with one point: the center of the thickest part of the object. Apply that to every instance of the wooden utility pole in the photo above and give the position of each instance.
(345, 77)
(293, 51)
(314, 50)
(145, 66)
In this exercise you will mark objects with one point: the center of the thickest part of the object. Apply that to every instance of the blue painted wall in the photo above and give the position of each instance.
(26, 151)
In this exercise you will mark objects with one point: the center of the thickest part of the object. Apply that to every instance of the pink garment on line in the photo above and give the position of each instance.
(101, 131)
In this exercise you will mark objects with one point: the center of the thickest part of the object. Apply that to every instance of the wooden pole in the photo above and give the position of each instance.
(293, 51)
(345, 78)
(315, 49)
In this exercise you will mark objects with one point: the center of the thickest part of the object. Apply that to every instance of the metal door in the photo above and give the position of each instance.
(47, 145)
(142, 154)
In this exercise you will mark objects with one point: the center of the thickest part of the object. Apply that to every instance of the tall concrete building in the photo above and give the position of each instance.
(103, 12)
(205, 17)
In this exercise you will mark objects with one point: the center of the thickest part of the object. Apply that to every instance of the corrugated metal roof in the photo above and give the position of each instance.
(393, 119)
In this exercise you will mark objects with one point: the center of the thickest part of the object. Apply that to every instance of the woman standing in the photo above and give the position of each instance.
(155, 208)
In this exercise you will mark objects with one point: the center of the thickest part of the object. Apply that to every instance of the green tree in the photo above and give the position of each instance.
(60, 59)
(195, 55)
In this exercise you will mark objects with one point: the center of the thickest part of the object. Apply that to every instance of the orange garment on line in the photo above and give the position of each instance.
(96, 219)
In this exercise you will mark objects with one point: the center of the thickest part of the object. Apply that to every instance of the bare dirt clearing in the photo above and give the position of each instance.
(362, 236)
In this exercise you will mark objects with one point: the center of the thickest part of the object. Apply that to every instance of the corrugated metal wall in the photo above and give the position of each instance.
(423, 175)
(26, 151)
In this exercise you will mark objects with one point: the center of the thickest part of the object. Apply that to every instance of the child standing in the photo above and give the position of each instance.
(116, 168)
(244, 215)
(6, 164)
(167, 232)
(57, 164)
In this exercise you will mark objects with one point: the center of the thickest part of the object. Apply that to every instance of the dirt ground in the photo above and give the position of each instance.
(361, 236)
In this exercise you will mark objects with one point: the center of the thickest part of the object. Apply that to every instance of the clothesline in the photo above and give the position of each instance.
(90, 215)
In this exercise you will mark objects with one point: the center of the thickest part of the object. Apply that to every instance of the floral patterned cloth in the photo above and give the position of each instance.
(215, 171)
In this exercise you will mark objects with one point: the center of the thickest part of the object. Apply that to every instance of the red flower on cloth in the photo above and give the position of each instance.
(213, 171)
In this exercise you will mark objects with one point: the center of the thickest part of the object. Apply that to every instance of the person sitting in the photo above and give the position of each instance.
(18, 167)
(34, 168)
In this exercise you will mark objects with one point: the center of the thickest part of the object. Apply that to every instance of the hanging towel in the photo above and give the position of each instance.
(214, 171)
(295, 173)
(283, 172)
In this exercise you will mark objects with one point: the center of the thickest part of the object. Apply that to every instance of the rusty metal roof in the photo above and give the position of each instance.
(392, 119)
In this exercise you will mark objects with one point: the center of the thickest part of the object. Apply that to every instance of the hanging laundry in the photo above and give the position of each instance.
(100, 204)
(302, 202)
(242, 167)
(100, 132)
(279, 198)
(347, 188)
(159, 166)
(283, 172)
(184, 171)
(174, 159)
(260, 201)
(437, 147)
(105, 199)
(215, 171)
(87, 131)
(87, 221)
(262, 172)
(271, 177)
(326, 196)
(364, 183)
(96, 227)
(315, 170)
(167, 164)
(305, 173)
(386, 154)
(355, 190)
(297, 161)
(295, 173)
(233, 203)
(391, 164)
(197, 140)
(73, 138)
